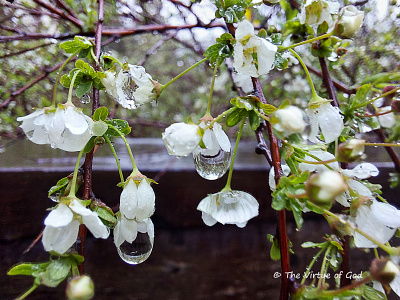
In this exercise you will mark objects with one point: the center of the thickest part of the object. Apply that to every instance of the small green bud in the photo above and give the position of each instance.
(341, 51)
(80, 288)
(322, 188)
(350, 151)
(272, 29)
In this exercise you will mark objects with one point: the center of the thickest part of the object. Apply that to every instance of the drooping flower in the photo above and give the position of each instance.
(134, 87)
(137, 201)
(350, 21)
(315, 12)
(287, 121)
(387, 120)
(214, 139)
(109, 82)
(65, 128)
(181, 139)
(62, 226)
(377, 219)
(228, 207)
(127, 230)
(326, 119)
(252, 55)
(384, 271)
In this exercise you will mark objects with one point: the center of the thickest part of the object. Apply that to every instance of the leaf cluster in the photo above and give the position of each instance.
(222, 49)
(231, 10)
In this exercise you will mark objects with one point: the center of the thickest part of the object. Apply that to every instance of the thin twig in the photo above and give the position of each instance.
(155, 47)
(78, 23)
(25, 50)
(65, 7)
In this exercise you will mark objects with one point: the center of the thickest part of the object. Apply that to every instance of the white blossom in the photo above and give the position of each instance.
(325, 186)
(287, 121)
(80, 288)
(350, 20)
(181, 139)
(315, 12)
(214, 139)
(62, 226)
(109, 82)
(137, 201)
(326, 119)
(228, 207)
(126, 229)
(252, 55)
(65, 128)
(379, 220)
(244, 82)
(386, 120)
(391, 267)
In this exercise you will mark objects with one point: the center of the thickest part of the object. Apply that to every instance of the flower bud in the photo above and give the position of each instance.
(339, 228)
(341, 51)
(80, 288)
(181, 139)
(287, 121)
(384, 270)
(395, 105)
(322, 188)
(350, 151)
(350, 20)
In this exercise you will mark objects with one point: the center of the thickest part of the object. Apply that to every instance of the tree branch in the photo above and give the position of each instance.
(78, 23)
(65, 7)
(25, 50)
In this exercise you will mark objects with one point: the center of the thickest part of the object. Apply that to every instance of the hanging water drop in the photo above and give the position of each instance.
(55, 197)
(85, 99)
(211, 167)
(138, 251)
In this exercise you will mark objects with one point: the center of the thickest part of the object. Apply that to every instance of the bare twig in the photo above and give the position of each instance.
(32, 11)
(155, 47)
(78, 23)
(65, 7)
(25, 50)
(327, 80)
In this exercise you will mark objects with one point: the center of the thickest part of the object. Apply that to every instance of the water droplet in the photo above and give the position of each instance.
(85, 99)
(29, 134)
(53, 145)
(211, 167)
(55, 197)
(2, 149)
(138, 251)
(117, 41)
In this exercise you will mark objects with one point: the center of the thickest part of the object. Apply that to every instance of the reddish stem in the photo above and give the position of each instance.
(59, 12)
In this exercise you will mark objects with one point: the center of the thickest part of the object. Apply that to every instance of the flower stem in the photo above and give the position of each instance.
(376, 98)
(382, 144)
(324, 267)
(121, 176)
(95, 58)
(220, 116)
(348, 287)
(135, 170)
(317, 160)
(314, 93)
(208, 112)
(228, 182)
(261, 115)
(308, 269)
(322, 162)
(71, 87)
(28, 292)
(317, 38)
(74, 178)
(389, 250)
(183, 73)
(59, 76)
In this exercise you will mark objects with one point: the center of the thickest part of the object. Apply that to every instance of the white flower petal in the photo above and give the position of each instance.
(57, 127)
(72, 142)
(146, 226)
(221, 137)
(207, 219)
(59, 217)
(75, 121)
(362, 171)
(60, 239)
(96, 226)
(128, 229)
(271, 176)
(181, 139)
(330, 121)
(323, 156)
(386, 214)
(78, 208)
(118, 238)
(146, 200)
(129, 200)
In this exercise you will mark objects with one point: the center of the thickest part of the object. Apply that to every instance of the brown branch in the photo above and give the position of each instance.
(65, 7)
(78, 23)
(23, 36)
(339, 85)
(393, 155)
(327, 80)
(25, 50)
(32, 11)
(6, 102)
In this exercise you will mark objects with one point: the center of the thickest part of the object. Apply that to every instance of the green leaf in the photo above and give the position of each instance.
(62, 183)
(100, 114)
(286, 151)
(30, 269)
(222, 49)
(381, 77)
(121, 125)
(361, 96)
(248, 102)
(267, 108)
(235, 116)
(83, 88)
(106, 215)
(313, 245)
(371, 294)
(89, 145)
(280, 62)
(56, 272)
(322, 28)
(70, 46)
(297, 212)
(275, 252)
(254, 120)
(65, 80)
(279, 199)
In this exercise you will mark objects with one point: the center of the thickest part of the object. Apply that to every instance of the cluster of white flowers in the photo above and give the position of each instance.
(131, 87)
(65, 128)
(137, 204)
(62, 225)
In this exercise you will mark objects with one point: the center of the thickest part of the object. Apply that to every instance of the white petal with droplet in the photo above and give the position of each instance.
(59, 217)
